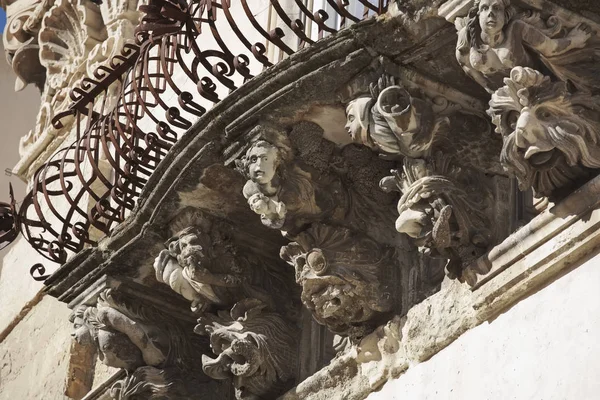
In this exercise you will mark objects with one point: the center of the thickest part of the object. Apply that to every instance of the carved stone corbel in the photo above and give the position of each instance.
(348, 280)
(551, 131)
(447, 201)
(153, 347)
(21, 44)
(497, 36)
(255, 347)
(284, 192)
(205, 265)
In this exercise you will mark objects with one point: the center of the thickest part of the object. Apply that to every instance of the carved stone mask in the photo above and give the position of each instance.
(254, 348)
(341, 275)
(550, 130)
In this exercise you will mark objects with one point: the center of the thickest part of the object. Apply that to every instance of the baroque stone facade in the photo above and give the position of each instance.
(336, 219)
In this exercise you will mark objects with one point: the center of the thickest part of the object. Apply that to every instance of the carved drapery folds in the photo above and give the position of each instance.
(347, 278)
(255, 347)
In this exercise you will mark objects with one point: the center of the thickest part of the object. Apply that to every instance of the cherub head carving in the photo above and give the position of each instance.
(551, 131)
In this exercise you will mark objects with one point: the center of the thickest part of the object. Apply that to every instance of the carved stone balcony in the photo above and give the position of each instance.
(238, 217)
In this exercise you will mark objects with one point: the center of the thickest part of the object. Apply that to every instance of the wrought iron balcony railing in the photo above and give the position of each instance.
(187, 56)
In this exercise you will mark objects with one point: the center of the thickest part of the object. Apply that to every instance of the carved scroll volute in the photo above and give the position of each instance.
(347, 278)
(255, 347)
(69, 30)
(23, 21)
(550, 130)
(496, 36)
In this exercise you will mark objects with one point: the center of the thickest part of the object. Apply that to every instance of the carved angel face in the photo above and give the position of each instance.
(357, 118)
(550, 131)
(492, 17)
(263, 160)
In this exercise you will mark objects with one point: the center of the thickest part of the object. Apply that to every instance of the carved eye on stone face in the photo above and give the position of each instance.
(543, 113)
(510, 121)
(316, 261)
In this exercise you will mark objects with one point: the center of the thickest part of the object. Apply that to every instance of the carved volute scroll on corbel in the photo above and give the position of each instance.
(254, 346)
(496, 37)
(142, 340)
(20, 39)
(551, 131)
(348, 280)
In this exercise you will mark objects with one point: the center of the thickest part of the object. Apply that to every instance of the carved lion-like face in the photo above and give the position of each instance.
(254, 353)
(551, 132)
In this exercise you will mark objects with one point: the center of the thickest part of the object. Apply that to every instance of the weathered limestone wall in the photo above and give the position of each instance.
(34, 358)
(545, 347)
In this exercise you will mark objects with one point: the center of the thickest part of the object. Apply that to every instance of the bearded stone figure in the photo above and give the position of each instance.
(255, 347)
(551, 131)
(203, 266)
(494, 38)
(447, 210)
(346, 278)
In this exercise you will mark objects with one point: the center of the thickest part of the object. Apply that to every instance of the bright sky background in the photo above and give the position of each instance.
(2, 19)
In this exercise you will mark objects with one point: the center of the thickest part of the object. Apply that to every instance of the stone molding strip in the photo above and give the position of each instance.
(550, 246)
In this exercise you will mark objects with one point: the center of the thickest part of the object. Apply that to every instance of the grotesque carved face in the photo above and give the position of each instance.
(262, 162)
(256, 349)
(550, 131)
(341, 274)
(492, 16)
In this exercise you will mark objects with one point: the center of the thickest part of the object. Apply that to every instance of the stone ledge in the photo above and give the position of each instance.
(548, 247)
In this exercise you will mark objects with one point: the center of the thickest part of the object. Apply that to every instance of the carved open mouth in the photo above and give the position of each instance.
(543, 158)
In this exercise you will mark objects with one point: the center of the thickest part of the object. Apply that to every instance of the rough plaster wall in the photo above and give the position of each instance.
(547, 347)
(17, 287)
(34, 358)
